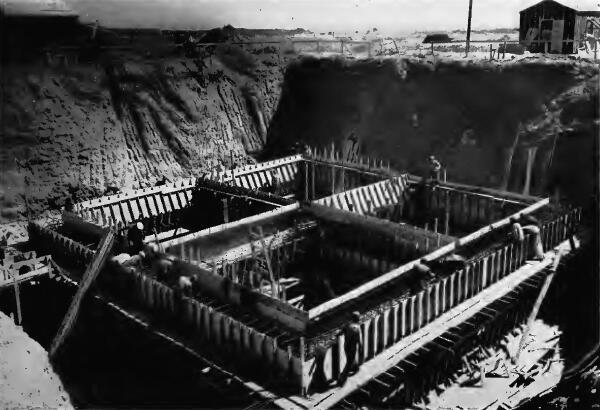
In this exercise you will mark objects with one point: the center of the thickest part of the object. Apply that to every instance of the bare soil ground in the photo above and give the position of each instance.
(27, 378)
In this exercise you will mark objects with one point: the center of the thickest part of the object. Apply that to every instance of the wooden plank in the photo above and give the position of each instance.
(538, 302)
(92, 271)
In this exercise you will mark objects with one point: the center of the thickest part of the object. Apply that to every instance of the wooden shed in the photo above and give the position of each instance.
(558, 26)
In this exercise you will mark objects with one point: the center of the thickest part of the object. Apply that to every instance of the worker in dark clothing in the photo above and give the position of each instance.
(135, 238)
(424, 274)
(522, 226)
(162, 181)
(353, 345)
(69, 207)
(434, 168)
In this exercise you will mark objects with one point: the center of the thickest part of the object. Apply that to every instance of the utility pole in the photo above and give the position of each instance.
(469, 27)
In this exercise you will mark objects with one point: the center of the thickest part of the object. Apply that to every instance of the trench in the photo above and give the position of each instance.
(108, 361)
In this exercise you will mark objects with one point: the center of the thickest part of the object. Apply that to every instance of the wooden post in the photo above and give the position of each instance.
(432, 51)
(225, 211)
(17, 297)
(332, 180)
(538, 302)
(313, 181)
(491, 58)
(504, 51)
(306, 181)
(304, 387)
(469, 27)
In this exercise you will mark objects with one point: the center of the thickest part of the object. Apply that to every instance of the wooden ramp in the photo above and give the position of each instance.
(92, 271)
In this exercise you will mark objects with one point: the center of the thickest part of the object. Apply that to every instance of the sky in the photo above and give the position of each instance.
(343, 16)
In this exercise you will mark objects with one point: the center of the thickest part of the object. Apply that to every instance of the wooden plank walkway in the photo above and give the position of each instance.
(92, 271)
(407, 346)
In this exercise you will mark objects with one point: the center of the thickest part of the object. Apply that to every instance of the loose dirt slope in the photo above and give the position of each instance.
(26, 376)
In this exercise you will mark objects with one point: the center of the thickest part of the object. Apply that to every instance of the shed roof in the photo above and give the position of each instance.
(36, 8)
(577, 5)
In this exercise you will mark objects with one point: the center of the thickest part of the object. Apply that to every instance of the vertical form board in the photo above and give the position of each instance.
(366, 329)
(488, 270)
(460, 285)
(383, 331)
(206, 322)
(341, 354)
(444, 289)
(417, 311)
(373, 336)
(465, 209)
(258, 340)
(410, 314)
(509, 259)
(425, 306)
(226, 324)
(497, 257)
(393, 324)
(470, 274)
(283, 361)
(475, 278)
(197, 319)
(402, 319)
(215, 319)
(246, 339)
(435, 301)
(500, 257)
(135, 212)
(482, 274)
(503, 262)
(144, 207)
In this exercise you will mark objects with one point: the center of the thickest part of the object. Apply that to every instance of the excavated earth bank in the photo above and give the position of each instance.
(478, 118)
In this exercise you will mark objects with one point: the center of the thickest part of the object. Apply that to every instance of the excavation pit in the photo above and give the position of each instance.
(275, 282)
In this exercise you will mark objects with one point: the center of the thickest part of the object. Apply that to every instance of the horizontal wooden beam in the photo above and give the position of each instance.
(479, 189)
(230, 225)
(45, 270)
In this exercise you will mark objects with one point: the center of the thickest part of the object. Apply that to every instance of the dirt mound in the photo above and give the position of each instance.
(468, 114)
(28, 380)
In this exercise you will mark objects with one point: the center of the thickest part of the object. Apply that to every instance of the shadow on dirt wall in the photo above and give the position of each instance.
(470, 115)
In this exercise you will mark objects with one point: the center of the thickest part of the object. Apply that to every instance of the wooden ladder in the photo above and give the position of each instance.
(92, 271)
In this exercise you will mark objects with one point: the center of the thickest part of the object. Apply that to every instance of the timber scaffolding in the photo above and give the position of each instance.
(340, 236)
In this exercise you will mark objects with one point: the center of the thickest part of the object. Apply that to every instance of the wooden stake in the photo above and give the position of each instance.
(469, 27)
(306, 181)
(17, 298)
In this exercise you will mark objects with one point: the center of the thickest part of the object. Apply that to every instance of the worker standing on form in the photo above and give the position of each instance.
(434, 168)
(523, 226)
(353, 345)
